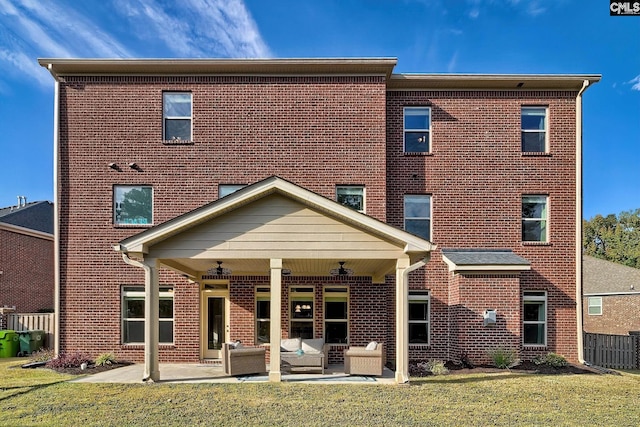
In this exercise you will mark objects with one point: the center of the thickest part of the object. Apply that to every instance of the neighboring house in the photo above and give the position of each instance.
(257, 200)
(26, 257)
(611, 297)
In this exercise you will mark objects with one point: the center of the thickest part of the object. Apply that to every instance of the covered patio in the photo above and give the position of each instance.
(274, 228)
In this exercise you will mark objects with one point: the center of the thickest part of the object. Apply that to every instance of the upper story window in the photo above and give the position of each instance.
(132, 205)
(535, 219)
(226, 189)
(534, 129)
(177, 114)
(417, 215)
(417, 129)
(351, 196)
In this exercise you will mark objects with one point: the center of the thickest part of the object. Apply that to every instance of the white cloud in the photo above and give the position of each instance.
(198, 28)
(635, 83)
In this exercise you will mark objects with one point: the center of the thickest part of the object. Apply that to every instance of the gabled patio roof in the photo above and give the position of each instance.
(276, 218)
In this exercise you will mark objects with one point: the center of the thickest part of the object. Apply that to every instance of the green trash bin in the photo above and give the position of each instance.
(9, 344)
(30, 341)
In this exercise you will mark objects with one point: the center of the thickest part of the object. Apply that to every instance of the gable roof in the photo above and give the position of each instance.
(484, 260)
(601, 277)
(141, 242)
(36, 216)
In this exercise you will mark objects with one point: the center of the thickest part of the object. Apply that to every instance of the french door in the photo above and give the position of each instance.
(215, 322)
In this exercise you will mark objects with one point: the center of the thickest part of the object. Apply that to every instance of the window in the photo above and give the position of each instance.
(419, 317)
(176, 107)
(301, 312)
(535, 318)
(417, 129)
(534, 218)
(351, 196)
(263, 315)
(133, 315)
(226, 189)
(336, 315)
(417, 215)
(534, 129)
(595, 306)
(132, 205)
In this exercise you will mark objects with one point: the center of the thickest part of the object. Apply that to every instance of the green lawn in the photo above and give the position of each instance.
(42, 397)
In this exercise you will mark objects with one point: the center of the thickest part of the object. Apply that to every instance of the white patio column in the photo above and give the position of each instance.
(402, 322)
(276, 317)
(151, 321)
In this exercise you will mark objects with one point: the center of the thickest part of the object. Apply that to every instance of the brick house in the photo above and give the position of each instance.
(26, 258)
(611, 297)
(257, 200)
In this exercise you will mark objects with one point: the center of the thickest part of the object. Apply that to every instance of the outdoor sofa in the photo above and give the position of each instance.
(303, 355)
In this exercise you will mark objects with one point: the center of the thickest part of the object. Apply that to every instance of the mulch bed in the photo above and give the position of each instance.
(91, 368)
(525, 367)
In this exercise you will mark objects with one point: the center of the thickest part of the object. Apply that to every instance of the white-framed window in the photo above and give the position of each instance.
(417, 215)
(226, 189)
(351, 196)
(263, 315)
(336, 315)
(419, 310)
(132, 205)
(535, 218)
(534, 124)
(595, 306)
(133, 315)
(534, 314)
(177, 115)
(417, 129)
(301, 312)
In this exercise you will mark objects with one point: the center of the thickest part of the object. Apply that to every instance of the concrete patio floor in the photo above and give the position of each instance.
(192, 373)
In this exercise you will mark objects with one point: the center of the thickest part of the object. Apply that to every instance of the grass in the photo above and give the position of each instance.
(42, 397)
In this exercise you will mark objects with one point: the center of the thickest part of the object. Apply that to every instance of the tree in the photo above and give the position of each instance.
(614, 238)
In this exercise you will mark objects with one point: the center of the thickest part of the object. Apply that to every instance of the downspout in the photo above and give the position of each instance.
(579, 316)
(405, 312)
(147, 271)
(56, 219)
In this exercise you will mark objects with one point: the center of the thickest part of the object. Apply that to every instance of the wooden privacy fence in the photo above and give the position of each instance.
(34, 322)
(612, 351)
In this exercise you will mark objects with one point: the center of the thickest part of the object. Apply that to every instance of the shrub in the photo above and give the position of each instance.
(105, 359)
(551, 359)
(42, 355)
(436, 367)
(65, 360)
(504, 358)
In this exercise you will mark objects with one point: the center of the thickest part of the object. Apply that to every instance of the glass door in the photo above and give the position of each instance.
(215, 322)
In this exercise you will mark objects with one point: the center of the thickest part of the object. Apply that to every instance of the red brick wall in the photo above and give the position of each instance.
(477, 175)
(27, 278)
(620, 314)
(318, 132)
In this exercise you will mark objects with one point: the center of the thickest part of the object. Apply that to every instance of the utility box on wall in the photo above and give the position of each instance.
(490, 317)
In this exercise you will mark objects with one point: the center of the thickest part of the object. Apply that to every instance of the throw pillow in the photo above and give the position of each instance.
(313, 346)
(371, 346)
(290, 344)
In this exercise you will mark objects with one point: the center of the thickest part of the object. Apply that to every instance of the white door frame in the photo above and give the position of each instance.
(205, 294)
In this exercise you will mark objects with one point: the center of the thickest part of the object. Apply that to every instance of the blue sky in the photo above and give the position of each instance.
(427, 36)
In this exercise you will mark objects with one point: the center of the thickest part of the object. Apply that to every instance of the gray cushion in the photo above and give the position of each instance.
(313, 346)
(290, 344)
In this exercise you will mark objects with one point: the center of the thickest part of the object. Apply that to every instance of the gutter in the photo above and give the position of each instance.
(579, 316)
